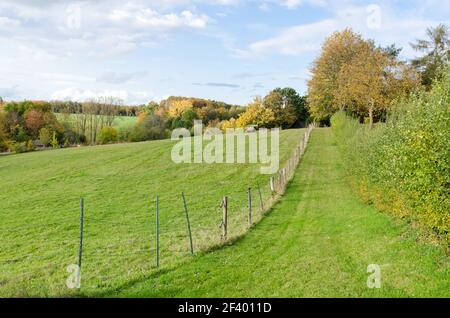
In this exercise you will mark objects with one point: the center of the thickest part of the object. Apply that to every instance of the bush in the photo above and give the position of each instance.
(125, 132)
(72, 138)
(45, 136)
(19, 147)
(108, 135)
(403, 166)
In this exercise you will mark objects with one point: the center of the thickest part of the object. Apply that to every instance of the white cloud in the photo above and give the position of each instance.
(119, 78)
(145, 18)
(300, 39)
(294, 40)
(6, 22)
(81, 95)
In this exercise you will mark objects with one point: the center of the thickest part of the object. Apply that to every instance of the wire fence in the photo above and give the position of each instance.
(203, 223)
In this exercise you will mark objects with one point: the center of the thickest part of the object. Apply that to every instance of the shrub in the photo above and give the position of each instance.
(19, 147)
(45, 136)
(108, 135)
(403, 166)
(54, 142)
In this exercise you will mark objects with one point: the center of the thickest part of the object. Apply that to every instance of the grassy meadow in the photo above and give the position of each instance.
(317, 241)
(40, 213)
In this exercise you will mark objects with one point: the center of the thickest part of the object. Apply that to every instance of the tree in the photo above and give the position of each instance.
(34, 121)
(360, 83)
(178, 107)
(437, 53)
(3, 134)
(45, 136)
(257, 115)
(287, 105)
(354, 75)
(54, 141)
(371, 80)
(338, 49)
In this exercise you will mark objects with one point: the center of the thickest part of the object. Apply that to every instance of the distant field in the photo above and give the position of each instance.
(119, 121)
(40, 212)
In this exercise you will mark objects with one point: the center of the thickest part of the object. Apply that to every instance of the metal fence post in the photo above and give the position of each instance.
(157, 231)
(80, 250)
(249, 206)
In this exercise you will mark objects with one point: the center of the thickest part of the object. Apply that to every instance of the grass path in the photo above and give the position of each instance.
(316, 242)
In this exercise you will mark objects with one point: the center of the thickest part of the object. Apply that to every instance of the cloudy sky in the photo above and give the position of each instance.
(142, 50)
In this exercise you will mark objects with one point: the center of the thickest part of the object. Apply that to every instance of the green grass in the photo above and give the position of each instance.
(40, 195)
(316, 242)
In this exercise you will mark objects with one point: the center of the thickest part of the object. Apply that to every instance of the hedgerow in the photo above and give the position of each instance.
(403, 166)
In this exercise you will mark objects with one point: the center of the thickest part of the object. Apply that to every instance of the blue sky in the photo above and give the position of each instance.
(142, 50)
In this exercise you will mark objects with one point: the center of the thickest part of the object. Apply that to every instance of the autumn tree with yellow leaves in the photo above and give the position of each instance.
(354, 75)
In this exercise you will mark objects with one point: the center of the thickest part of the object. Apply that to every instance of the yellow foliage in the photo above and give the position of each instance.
(178, 107)
(257, 115)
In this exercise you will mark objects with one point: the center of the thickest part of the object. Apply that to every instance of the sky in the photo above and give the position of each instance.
(144, 50)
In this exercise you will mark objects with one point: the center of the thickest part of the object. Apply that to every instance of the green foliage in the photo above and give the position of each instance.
(108, 135)
(45, 136)
(3, 135)
(54, 141)
(293, 102)
(403, 166)
(18, 147)
(282, 107)
(436, 51)
(152, 127)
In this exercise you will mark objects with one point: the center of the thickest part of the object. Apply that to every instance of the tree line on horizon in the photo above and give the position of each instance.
(28, 125)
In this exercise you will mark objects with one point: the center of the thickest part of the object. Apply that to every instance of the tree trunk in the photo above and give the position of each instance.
(371, 116)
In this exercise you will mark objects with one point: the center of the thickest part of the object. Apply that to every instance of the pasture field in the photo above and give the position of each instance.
(40, 196)
(318, 241)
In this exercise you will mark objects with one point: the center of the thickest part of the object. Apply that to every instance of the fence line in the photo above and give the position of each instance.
(233, 207)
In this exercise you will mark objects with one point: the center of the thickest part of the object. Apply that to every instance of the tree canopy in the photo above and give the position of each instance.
(437, 53)
(354, 75)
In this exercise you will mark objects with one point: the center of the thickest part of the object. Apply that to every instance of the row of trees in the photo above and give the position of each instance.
(116, 106)
(282, 107)
(355, 75)
(25, 125)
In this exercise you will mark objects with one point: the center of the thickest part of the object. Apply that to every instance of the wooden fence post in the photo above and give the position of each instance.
(188, 223)
(225, 218)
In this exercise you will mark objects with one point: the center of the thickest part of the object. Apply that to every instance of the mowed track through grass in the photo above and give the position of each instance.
(39, 209)
(316, 242)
